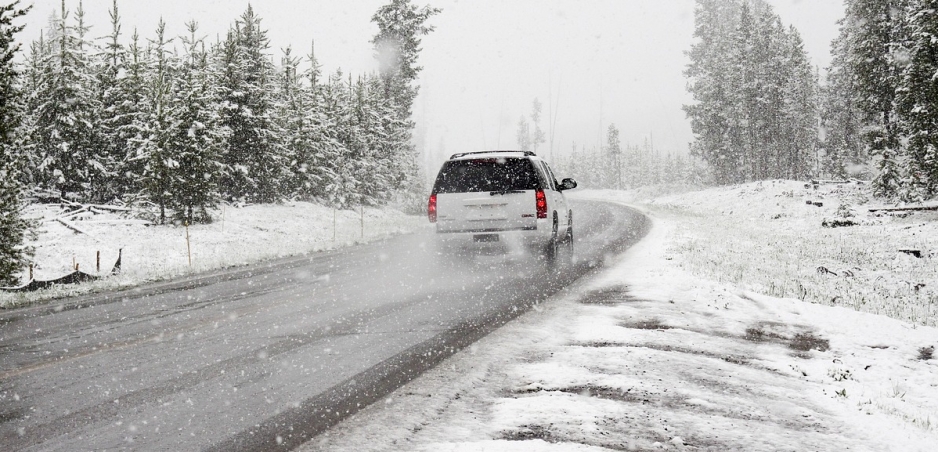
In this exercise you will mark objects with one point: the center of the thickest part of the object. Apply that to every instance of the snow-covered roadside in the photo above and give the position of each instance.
(239, 236)
(647, 356)
(774, 237)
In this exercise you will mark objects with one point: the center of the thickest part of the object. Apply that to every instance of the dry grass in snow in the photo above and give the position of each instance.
(766, 237)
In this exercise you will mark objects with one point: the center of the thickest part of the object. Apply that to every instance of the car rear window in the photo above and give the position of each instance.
(489, 174)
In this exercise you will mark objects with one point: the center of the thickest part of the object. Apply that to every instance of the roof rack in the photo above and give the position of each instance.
(463, 154)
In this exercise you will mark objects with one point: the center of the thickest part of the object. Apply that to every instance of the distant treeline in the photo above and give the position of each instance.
(627, 166)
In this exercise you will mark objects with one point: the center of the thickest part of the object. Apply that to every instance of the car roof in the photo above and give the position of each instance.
(492, 154)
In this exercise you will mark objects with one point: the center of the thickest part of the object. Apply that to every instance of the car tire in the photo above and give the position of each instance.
(552, 249)
(568, 237)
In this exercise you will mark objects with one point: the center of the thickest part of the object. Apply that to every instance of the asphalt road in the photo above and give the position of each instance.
(265, 357)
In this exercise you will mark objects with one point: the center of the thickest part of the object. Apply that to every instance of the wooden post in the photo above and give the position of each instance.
(363, 220)
(30, 271)
(98, 262)
(188, 246)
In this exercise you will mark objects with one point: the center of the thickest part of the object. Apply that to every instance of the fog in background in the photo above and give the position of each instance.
(590, 63)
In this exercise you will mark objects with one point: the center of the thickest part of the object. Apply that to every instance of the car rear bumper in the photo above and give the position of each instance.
(490, 238)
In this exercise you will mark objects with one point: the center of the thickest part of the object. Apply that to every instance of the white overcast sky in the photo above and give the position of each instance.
(601, 61)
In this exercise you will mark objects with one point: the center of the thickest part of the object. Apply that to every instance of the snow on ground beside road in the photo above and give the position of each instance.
(766, 237)
(655, 353)
(239, 235)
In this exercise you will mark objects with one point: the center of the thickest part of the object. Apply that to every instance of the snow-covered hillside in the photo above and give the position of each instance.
(681, 345)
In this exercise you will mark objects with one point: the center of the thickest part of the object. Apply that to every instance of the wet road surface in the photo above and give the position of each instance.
(267, 356)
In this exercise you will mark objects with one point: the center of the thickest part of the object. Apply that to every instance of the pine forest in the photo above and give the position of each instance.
(179, 124)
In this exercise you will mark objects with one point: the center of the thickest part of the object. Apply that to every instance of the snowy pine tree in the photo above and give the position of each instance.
(537, 134)
(401, 26)
(874, 26)
(799, 112)
(917, 99)
(112, 115)
(65, 122)
(199, 137)
(613, 157)
(128, 125)
(397, 46)
(292, 102)
(708, 75)
(13, 228)
(342, 188)
(841, 117)
(523, 135)
(319, 150)
(254, 156)
(157, 125)
(755, 110)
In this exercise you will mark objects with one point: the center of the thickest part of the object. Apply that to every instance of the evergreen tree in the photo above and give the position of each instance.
(874, 26)
(401, 26)
(614, 152)
(537, 134)
(364, 133)
(841, 117)
(799, 113)
(111, 115)
(524, 135)
(254, 155)
(27, 165)
(755, 93)
(917, 99)
(157, 125)
(387, 139)
(129, 125)
(392, 145)
(342, 188)
(316, 149)
(65, 123)
(13, 228)
(199, 138)
(397, 46)
(11, 101)
(745, 84)
(710, 114)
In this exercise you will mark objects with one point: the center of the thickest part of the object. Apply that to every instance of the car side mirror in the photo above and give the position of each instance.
(567, 184)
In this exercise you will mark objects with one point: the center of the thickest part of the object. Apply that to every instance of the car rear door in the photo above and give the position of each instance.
(486, 195)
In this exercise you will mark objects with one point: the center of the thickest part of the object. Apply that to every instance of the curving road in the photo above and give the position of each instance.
(267, 356)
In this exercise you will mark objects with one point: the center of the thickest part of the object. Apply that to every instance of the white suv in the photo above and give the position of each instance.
(501, 196)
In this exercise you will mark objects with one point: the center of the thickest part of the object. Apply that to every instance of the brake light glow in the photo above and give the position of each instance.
(540, 202)
(431, 208)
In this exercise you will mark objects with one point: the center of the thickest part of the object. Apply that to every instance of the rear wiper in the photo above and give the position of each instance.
(504, 192)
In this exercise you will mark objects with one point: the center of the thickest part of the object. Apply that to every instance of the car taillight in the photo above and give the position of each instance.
(540, 201)
(431, 208)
